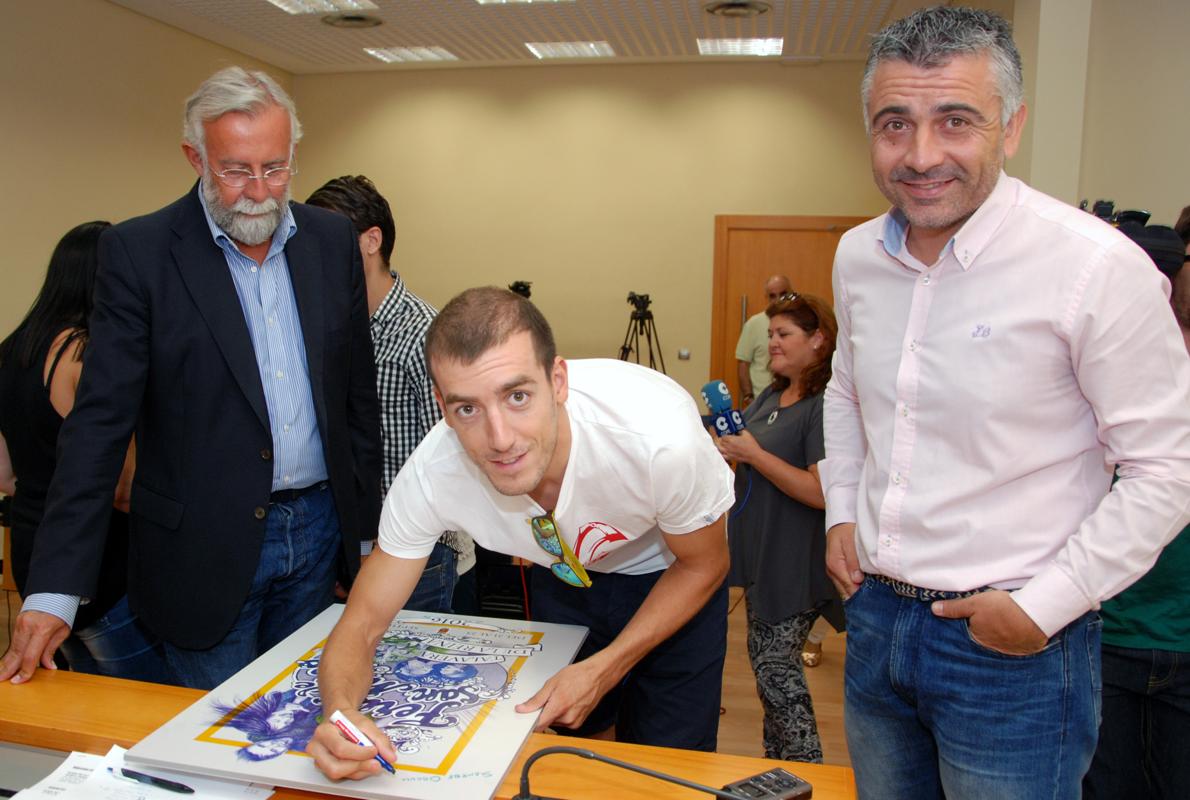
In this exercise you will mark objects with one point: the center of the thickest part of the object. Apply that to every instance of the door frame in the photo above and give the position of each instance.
(724, 225)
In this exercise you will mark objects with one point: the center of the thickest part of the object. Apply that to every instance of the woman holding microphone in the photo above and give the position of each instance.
(776, 529)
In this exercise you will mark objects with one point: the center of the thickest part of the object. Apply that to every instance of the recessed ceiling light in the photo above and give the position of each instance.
(736, 8)
(351, 19)
(570, 49)
(390, 55)
(740, 47)
(323, 6)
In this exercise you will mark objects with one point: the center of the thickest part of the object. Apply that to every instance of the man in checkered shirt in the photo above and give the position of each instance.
(399, 320)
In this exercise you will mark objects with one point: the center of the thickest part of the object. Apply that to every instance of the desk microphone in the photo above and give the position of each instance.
(725, 419)
(525, 794)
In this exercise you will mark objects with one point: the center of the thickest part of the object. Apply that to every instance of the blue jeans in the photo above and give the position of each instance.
(294, 582)
(1144, 742)
(118, 646)
(436, 585)
(931, 713)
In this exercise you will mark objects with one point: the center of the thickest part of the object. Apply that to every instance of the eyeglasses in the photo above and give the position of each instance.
(238, 178)
(786, 297)
(567, 568)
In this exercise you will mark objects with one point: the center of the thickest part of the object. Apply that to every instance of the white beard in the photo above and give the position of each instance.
(235, 221)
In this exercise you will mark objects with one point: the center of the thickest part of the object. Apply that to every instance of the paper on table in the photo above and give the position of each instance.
(86, 777)
(64, 782)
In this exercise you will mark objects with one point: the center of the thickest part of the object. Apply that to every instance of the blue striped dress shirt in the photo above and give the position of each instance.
(266, 296)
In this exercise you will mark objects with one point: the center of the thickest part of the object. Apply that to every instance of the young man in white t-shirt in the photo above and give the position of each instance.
(610, 456)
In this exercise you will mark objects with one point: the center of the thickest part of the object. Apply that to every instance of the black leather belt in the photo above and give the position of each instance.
(289, 495)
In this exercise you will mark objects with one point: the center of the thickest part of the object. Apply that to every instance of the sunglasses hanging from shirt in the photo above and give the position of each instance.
(568, 568)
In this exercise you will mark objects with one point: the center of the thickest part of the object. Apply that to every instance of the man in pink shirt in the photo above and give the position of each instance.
(998, 353)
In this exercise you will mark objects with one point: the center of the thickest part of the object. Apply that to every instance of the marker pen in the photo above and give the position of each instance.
(354, 734)
(150, 780)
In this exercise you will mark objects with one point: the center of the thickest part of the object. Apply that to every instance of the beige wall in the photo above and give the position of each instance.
(91, 97)
(1137, 117)
(590, 181)
(1052, 36)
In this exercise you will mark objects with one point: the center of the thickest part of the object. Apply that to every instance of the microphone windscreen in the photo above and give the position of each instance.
(717, 397)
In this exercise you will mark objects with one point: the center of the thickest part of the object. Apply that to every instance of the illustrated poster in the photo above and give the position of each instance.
(444, 689)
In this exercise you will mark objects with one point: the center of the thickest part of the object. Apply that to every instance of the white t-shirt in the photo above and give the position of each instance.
(640, 462)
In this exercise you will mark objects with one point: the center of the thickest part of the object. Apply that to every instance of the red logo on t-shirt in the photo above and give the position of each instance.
(594, 541)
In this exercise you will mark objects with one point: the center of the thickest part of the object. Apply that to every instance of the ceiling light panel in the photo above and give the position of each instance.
(657, 31)
(741, 47)
(570, 49)
(394, 55)
(323, 6)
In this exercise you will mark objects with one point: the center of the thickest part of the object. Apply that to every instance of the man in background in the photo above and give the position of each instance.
(399, 320)
(752, 349)
(1143, 750)
(998, 353)
(229, 333)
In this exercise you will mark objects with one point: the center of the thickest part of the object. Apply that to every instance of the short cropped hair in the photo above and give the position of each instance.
(1179, 298)
(1182, 226)
(234, 89)
(356, 197)
(485, 317)
(933, 36)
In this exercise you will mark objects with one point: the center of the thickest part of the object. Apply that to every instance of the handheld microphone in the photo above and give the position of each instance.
(724, 418)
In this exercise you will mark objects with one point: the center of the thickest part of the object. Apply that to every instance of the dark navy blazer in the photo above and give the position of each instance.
(170, 358)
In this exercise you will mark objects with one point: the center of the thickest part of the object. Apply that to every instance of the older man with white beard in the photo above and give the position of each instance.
(230, 334)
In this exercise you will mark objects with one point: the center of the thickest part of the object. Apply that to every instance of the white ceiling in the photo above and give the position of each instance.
(656, 31)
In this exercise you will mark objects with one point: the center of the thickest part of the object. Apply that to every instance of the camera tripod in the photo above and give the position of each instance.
(640, 323)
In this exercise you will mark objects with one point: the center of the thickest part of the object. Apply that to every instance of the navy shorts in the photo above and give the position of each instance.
(671, 697)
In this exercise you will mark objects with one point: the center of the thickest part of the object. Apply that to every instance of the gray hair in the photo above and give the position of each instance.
(931, 37)
(234, 89)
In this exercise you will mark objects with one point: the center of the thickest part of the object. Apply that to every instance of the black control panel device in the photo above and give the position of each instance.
(776, 784)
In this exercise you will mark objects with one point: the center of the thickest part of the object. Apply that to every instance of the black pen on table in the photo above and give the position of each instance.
(151, 780)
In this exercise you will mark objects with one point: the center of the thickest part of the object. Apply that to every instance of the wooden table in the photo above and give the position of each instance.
(70, 711)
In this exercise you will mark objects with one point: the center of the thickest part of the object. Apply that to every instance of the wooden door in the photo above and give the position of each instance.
(749, 249)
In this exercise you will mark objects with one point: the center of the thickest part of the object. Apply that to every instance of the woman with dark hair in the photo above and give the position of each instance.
(776, 529)
(40, 366)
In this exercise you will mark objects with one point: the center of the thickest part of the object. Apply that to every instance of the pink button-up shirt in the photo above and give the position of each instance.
(978, 405)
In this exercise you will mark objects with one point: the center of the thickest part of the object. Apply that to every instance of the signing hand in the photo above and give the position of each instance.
(339, 758)
(842, 563)
(996, 622)
(34, 639)
(568, 697)
(741, 447)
